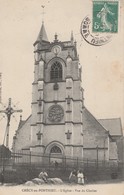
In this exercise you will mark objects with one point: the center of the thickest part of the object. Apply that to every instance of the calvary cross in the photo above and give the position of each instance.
(8, 111)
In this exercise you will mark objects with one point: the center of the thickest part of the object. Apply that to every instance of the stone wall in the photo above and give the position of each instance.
(22, 136)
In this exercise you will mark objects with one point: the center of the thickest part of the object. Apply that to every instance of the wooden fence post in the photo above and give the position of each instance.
(30, 159)
(97, 151)
(3, 167)
(65, 162)
(87, 162)
(49, 162)
(77, 162)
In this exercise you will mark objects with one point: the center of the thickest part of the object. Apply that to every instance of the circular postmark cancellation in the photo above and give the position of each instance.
(95, 39)
(104, 24)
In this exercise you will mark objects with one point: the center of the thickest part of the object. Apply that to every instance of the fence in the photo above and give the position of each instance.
(23, 166)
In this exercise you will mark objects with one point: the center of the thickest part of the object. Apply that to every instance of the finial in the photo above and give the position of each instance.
(9, 100)
(72, 37)
(75, 43)
(20, 117)
(56, 38)
(43, 6)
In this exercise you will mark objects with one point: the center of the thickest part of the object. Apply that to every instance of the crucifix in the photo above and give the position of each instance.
(8, 112)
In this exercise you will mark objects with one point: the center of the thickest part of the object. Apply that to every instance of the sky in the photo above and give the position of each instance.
(102, 66)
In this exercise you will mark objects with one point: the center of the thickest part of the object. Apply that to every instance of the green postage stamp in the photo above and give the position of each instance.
(105, 16)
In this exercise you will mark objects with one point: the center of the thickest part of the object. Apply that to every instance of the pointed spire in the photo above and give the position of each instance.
(42, 34)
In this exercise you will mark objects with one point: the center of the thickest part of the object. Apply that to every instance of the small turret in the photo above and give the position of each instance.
(56, 38)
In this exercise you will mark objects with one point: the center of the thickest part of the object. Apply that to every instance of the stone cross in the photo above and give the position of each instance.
(68, 134)
(8, 111)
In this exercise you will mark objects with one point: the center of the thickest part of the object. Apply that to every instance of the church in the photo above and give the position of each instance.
(60, 124)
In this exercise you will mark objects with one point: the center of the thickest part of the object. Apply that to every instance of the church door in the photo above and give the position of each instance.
(56, 156)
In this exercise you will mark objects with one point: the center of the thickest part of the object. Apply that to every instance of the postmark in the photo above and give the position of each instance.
(99, 28)
(94, 39)
(105, 16)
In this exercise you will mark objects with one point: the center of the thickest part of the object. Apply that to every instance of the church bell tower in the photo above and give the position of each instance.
(57, 98)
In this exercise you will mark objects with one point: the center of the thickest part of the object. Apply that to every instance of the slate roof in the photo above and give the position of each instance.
(22, 122)
(42, 36)
(4, 151)
(87, 115)
(112, 125)
(94, 133)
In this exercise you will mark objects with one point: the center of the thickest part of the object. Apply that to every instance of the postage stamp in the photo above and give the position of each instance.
(105, 16)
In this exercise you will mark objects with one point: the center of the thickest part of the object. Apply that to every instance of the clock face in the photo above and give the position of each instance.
(56, 49)
(56, 113)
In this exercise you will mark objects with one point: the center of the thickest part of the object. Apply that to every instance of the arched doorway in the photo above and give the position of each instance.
(56, 155)
(55, 151)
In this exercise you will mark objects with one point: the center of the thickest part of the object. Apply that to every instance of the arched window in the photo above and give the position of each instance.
(56, 71)
(55, 149)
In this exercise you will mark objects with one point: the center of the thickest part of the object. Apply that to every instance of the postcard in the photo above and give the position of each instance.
(62, 97)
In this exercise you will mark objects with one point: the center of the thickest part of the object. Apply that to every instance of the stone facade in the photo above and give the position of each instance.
(60, 124)
(57, 98)
(96, 138)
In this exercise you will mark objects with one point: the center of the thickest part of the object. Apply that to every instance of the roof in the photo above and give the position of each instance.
(87, 115)
(112, 125)
(93, 132)
(21, 123)
(4, 151)
(3, 146)
(42, 36)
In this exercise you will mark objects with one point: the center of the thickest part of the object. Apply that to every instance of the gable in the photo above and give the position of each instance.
(23, 122)
(94, 133)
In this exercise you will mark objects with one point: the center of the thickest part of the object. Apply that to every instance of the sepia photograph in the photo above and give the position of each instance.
(62, 96)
